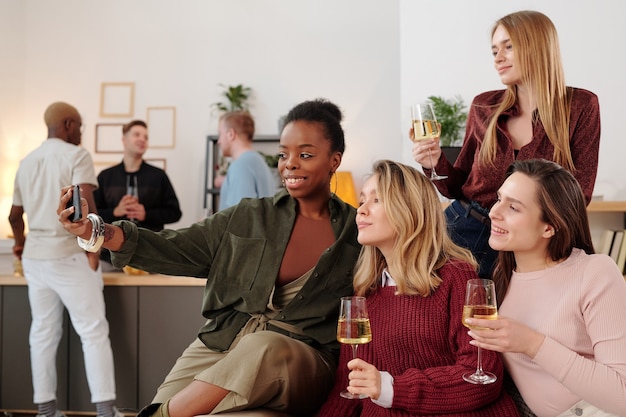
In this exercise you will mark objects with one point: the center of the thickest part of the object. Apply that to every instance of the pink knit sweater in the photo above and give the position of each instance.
(580, 305)
(421, 342)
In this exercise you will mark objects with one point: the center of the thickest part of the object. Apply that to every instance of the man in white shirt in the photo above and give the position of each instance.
(58, 272)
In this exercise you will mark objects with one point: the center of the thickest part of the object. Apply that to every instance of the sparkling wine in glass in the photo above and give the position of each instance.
(480, 303)
(353, 328)
(425, 127)
(132, 189)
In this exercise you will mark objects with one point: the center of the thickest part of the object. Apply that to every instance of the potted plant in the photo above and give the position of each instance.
(452, 115)
(270, 160)
(236, 96)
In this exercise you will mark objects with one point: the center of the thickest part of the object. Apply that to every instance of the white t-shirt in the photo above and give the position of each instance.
(38, 182)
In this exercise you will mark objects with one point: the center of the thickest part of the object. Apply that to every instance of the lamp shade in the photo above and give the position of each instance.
(343, 186)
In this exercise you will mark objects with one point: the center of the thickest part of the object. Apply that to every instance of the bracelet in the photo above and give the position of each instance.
(97, 234)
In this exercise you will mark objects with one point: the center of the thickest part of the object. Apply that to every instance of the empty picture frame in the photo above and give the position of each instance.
(100, 166)
(109, 138)
(161, 126)
(117, 99)
(157, 162)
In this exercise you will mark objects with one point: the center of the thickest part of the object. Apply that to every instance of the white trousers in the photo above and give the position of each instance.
(584, 409)
(69, 282)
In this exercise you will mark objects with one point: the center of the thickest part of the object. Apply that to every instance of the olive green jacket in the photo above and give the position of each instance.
(239, 251)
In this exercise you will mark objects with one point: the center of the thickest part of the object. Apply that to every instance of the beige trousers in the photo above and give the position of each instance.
(262, 369)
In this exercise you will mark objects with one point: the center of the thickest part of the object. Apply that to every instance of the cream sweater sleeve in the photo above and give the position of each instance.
(601, 379)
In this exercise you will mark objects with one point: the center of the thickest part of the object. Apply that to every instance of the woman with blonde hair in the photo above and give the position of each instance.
(414, 279)
(536, 116)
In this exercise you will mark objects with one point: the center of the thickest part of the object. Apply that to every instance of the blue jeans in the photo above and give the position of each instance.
(470, 233)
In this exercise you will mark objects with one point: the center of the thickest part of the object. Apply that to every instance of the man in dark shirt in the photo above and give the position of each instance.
(135, 190)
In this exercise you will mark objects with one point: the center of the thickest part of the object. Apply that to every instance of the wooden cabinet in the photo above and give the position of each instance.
(15, 377)
(605, 215)
(152, 319)
(264, 143)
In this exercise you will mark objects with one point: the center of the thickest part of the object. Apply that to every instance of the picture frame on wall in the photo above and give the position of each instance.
(100, 166)
(157, 162)
(161, 123)
(117, 99)
(109, 138)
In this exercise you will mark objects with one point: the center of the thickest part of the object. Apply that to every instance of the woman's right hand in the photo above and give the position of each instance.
(505, 335)
(364, 379)
(80, 228)
(423, 150)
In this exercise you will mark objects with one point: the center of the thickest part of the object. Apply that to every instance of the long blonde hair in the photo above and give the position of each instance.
(537, 53)
(422, 245)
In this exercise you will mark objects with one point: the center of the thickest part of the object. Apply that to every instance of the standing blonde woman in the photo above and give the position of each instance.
(536, 116)
(414, 279)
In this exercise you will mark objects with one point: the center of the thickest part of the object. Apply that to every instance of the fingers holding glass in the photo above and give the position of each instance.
(480, 303)
(353, 328)
(425, 127)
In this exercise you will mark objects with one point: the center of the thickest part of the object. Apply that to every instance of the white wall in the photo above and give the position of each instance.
(362, 54)
(177, 52)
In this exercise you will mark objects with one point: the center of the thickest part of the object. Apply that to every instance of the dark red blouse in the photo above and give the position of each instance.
(469, 180)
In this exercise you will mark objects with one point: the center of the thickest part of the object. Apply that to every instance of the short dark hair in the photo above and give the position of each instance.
(132, 124)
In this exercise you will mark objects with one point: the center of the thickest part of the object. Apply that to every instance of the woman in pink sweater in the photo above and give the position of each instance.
(562, 324)
(414, 279)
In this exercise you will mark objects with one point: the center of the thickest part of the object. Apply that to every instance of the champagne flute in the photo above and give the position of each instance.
(425, 127)
(480, 303)
(353, 328)
(132, 190)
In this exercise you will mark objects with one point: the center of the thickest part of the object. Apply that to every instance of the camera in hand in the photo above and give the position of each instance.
(75, 201)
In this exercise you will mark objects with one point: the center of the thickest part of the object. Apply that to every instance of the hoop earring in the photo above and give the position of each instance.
(334, 175)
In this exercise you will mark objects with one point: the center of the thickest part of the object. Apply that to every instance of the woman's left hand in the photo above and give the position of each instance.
(505, 335)
(364, 378)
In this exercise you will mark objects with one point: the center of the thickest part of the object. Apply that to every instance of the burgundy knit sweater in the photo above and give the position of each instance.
(473, 182)
(421, 342)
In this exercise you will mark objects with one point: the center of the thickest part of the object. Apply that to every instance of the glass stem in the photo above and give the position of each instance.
(433, 173)
(479, 364)
(354, 348)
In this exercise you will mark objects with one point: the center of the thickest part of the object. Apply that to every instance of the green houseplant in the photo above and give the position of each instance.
(270, 160)
(452, 115)
(236, 96)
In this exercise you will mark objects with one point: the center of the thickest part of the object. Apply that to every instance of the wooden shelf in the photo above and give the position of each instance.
(211, 160)
(600, 206)
(120, 279)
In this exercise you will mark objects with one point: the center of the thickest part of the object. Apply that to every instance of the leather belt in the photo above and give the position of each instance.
(475, 213)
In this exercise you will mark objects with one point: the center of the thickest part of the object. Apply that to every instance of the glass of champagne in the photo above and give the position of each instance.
(425, 127)
(132, 190)
(480, 303)
(353, 328)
